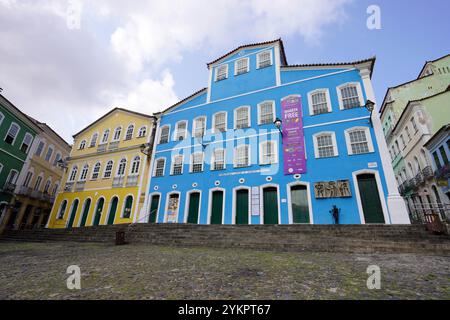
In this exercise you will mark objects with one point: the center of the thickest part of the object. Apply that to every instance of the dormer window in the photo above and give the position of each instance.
(222, 72)
(241, 66)
(264, 59)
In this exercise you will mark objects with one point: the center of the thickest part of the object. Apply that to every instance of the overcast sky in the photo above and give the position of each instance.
(67, 69)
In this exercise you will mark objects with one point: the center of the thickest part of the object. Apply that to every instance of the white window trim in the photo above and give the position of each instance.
(31, 141)
(124, 170)
(328, 99)
(51, 155)
(17, 134)
(191, 163)
(156, 166)
(103, 135)
(70, 175)
(258, 58)
(99, 172)
(194, 126)
(248, 114)
(85, 145)
(333, 140)
(236, 66)
(217, 72)
(132, 134)
(81, 173)
(261, 148)
(160, 133)
(130, 173)
(96, 141)
(114, 133)
(358, 89)
(16, 176)
(213, 158)
(349, 145)
(172, 165)
(235, 156)
(175, 138)
(112, 170)
(259, 111)
(138, 132)
(214, 121)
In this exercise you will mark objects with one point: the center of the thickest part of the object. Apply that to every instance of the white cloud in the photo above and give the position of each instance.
(124, 50)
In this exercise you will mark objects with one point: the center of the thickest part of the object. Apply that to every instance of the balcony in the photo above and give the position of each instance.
(113, 146)
(36, 194)
(418, 179)
(428, 173)
(102, 147)
(118, 182)
(132, 181)
(9, 187)
(80, 186)
(25, 191)
(68, 187)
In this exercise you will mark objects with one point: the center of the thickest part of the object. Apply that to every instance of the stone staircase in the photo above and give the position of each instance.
(311, 238)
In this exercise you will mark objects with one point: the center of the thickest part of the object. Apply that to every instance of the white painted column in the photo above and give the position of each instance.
(396, 205)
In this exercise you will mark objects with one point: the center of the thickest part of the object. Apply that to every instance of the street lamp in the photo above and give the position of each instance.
(146, 149)
(278, 123)
(370, 106)
(62, 164)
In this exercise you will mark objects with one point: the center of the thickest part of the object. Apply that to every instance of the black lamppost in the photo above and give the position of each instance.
(145, 149)
(62, 164)
(278, 123)
(370, 106)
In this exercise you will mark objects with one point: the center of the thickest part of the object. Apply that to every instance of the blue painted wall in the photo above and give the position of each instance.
(293, 82)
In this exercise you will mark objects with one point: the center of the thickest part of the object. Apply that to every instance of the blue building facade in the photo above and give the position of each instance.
(220, 158)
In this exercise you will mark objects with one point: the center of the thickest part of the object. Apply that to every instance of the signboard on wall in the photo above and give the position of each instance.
(293, 135)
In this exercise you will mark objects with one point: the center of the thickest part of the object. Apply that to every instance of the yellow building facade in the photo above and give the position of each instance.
(107, 172)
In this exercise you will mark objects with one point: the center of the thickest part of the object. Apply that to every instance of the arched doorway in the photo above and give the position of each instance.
(73, 213)
(217, 207)
(370, 198)
(299, 202)
(154, 207)
(98, 211)
(128, 207)
(113, 210)
(270, 205)
(193, 208)
(241, 206)
(86, 208)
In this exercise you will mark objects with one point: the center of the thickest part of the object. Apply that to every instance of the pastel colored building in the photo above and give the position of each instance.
(411, 114)
(271, 143)
(107, 172)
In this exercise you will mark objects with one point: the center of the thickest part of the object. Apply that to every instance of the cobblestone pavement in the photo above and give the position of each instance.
(38, 271)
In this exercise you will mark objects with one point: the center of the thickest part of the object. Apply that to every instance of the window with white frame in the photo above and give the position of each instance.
(13, 175)
(199, 127)
(28, 178)
(350, 96)
(48, 156)
(130, 131)
(96, 171)
(26, 143)
(164, 135)
(159, 167)
(47, 187)
(242, 156)
(268, 152)
(142, 132)
(266, 112)
(264, 59)
(241, 66)
(105, 136)
(242, 118)
(358, 141)
(181, 130)
(12, 133)
(414, 125)
(121, 168)
(197, 162)
(408, 134)
(319, 101)
(222, 72)
(135, 165)
(325, 145)
(57, 158)
(218, 161)
(84, 173)
(40, 148)
(177, 165)
(55, 189)
(117, 133)
(94, 140)
(82, 145)
(38, 182)
(73, 174)
(108, 169)
(220, 122)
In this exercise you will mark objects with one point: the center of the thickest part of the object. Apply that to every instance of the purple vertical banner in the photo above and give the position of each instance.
(293, 135)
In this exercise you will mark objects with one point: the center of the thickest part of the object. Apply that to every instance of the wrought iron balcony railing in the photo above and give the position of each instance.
(113, 145)
(132, 181)
(102, 147)
(80, 185)
(427, 173)
(118, 182)
(9, 187)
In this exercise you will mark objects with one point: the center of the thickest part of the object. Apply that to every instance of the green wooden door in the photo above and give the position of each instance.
(112, 211)
(73, 213)
(128, 207)
(270, 205)
(242, 207)
(370, 199)
(87, 206)
(154, 209)
(299, 203)
(217, 207)
(98, 212)
(194, 206)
